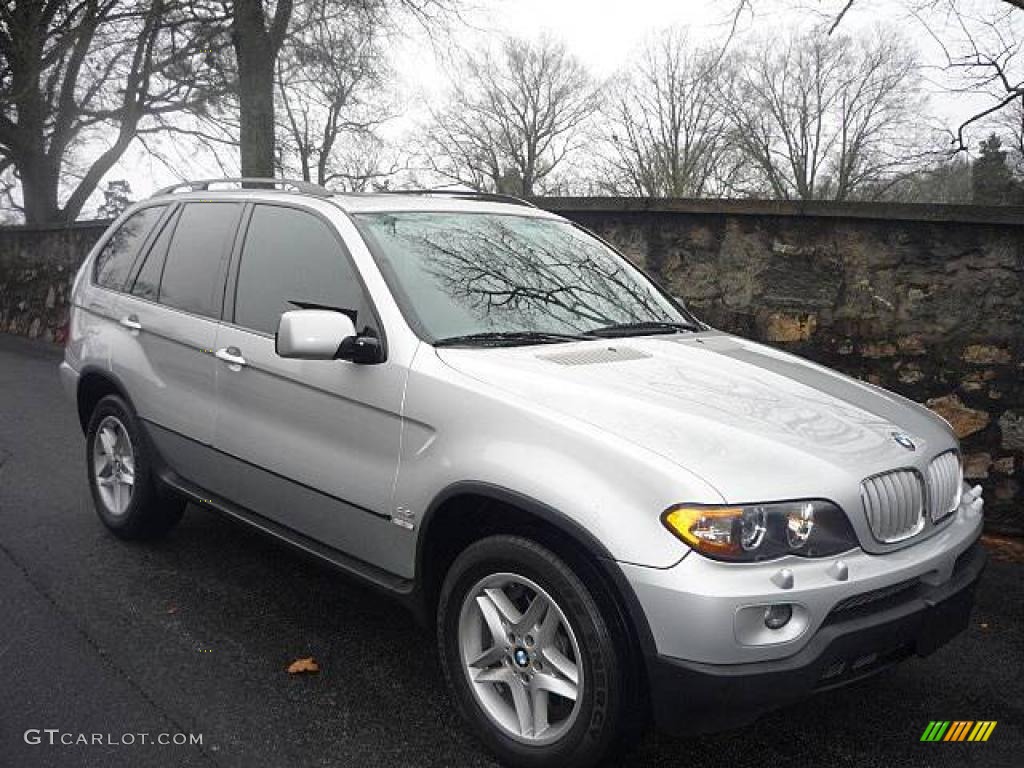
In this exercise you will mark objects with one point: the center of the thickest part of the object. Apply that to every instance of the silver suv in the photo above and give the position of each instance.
(608, 509)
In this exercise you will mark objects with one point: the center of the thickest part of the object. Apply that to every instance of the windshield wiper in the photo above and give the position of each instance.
(643, 328)
(508, 338)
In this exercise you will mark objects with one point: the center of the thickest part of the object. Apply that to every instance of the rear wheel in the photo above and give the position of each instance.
(124, 488)
(529, 656)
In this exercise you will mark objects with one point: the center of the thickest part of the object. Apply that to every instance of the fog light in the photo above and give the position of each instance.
(778, 616)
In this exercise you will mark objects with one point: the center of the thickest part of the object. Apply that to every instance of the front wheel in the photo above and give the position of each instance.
(528, 655)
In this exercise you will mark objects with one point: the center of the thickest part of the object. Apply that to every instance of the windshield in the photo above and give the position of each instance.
(463, 275)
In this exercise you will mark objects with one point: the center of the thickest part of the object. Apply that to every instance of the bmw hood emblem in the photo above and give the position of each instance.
(904, 439)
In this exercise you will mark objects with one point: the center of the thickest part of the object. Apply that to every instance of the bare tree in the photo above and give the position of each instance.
(982, 46)
(258, 32)
(511, 118)
(1011, 125)
(825, 117)
(984, 54)
(331, 79)
(665, 129)
(77, 75)
(87, 73)
(262, 32)
(367, 163)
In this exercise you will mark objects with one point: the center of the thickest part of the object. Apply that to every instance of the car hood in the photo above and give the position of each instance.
(729, 410)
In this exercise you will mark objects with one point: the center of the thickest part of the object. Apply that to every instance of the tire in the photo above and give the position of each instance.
(125, 490)
(579, 731)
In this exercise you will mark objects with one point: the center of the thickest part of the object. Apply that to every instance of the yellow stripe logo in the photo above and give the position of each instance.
(958, 730)
(982, 730)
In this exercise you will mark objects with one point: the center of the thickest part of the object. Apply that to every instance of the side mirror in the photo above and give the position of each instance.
(313, 334)
(365, 350)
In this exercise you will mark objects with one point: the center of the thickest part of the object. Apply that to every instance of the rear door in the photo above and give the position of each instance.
(171, 312)
(96, 336)
(314, 442)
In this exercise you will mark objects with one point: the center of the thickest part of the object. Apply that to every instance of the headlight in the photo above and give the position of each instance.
(762, 531)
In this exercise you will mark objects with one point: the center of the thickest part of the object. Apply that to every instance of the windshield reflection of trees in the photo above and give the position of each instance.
(514, 273)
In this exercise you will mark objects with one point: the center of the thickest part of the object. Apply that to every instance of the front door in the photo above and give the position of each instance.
(314, 444)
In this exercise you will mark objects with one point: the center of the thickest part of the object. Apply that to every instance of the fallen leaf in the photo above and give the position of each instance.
(299, 666)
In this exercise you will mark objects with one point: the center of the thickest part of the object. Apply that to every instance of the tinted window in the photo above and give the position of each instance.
(116, 259)
(147, 281)
(290, 259)
(201, 240)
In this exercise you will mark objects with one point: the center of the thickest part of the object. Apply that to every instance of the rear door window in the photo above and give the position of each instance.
(293, 260)
(114, 263)
(192, 274)
(147, 281)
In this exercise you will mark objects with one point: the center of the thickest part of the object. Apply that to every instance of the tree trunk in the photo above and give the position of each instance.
(39, 174)
(256, 49)
(39, 182)
(256, 115)
(39, 177)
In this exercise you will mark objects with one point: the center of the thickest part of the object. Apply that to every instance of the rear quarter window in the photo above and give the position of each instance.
(114, 262)
(147, 281)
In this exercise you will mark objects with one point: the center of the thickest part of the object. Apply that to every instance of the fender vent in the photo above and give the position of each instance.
(594, 355)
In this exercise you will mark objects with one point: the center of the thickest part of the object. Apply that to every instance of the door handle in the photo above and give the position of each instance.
(131, 322)
(232, 356)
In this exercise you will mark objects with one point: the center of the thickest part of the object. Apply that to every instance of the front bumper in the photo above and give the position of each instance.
(850, 645)
(712, 612)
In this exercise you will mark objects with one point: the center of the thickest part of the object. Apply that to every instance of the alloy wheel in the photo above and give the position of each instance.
(114, 465)
(521, 658)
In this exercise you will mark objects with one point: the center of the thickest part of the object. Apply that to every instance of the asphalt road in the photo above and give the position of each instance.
(192, 635)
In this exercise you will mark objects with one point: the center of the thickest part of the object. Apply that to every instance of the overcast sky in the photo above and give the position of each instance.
(603, 34)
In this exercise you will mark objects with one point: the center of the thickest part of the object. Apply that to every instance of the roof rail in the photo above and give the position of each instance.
(203, 185)
(464, 193)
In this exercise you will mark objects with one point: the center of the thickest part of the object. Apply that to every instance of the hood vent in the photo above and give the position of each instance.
(594, 355)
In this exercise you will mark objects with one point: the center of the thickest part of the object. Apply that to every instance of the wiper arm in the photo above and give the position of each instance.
(508, 338)
(643, 327)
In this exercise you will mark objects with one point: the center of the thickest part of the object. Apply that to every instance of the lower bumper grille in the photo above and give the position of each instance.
(875, 600)
(843, 671)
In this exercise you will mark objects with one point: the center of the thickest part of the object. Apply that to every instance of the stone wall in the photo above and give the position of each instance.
(924, 300)
(36, 268)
